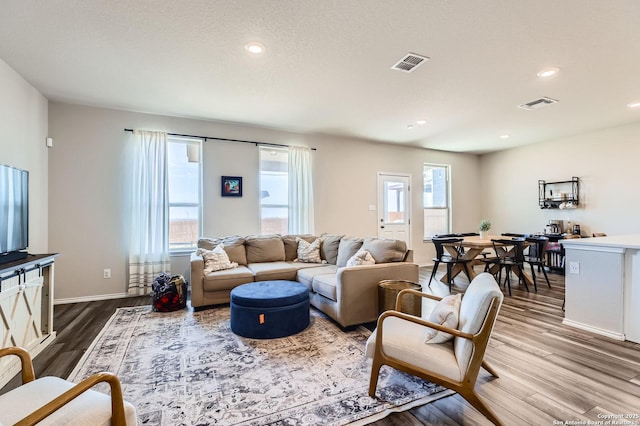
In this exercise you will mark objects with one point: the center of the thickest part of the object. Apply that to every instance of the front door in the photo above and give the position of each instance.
(394, 207)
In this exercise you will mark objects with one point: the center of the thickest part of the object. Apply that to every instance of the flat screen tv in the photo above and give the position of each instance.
(14, 213)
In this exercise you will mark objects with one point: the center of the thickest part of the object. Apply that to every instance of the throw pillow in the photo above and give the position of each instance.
(309, 252)
(445, 313)
(362, 257)
(216, 259)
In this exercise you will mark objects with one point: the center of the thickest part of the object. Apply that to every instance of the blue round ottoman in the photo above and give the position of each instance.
(269, 309)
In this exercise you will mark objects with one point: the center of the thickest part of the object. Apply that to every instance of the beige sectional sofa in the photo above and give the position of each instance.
(348, 294)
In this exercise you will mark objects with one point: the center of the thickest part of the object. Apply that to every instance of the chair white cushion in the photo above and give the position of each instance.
(404, 340)
(90, 408)
(445, 313)
(473, 311)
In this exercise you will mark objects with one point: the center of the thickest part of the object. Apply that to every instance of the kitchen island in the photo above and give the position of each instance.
(602, 290)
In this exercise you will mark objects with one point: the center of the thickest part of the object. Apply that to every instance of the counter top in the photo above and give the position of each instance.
(621, 241)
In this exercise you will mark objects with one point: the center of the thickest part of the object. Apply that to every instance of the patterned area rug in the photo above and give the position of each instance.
(188, 368)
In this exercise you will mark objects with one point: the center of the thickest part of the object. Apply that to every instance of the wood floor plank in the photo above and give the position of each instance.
(548, 371)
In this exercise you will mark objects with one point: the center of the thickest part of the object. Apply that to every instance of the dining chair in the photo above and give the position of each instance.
(536, 256)
(399, 342)
(510, 256)
(444, 256)
(55, 401)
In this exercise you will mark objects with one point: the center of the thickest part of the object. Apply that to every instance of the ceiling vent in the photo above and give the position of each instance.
(537, 103)
(409, 62)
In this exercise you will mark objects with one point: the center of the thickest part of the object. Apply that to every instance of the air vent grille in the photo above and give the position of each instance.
(409, 62)
(537, 103)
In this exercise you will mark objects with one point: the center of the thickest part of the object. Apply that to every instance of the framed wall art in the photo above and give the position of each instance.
(231, 186)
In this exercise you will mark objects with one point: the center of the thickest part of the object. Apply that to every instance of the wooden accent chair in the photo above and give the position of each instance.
(54, 401)
(398, 342)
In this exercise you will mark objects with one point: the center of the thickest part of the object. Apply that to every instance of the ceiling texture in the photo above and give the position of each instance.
(327, 64)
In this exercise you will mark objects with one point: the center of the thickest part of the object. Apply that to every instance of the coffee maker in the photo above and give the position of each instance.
(553, 227)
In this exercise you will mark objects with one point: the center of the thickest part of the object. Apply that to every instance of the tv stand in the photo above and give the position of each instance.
(12, 257)
(26, 308)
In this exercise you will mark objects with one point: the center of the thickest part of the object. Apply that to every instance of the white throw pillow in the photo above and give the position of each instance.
(362, 257)
(446, 313)
(216, 259)
(309, 252)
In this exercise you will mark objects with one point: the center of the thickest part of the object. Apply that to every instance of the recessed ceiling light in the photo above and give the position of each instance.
(634, 105)
(548, 72)
(255, 48)
(421, 122)
(504, 136)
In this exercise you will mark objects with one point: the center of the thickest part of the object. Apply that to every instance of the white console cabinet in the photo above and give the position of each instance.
(26, 308)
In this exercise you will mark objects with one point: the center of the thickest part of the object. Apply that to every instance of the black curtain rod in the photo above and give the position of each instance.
(206, 138)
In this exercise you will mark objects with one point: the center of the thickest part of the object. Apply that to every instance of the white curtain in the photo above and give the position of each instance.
(300, 191)
(149, 244)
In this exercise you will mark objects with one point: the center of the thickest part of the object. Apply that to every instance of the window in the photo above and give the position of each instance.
(185, 177)
(274, 190)
(436, 200)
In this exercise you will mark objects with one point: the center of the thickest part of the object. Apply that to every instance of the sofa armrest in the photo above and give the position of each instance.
(357, 288)
(196, 279)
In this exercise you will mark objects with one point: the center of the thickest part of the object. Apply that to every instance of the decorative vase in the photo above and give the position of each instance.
(483, 235)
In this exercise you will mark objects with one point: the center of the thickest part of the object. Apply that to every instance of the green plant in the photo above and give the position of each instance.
(484, 225)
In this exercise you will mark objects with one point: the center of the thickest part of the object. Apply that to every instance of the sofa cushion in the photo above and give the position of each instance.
(291, 244)
(329, 247)
(306, 275)
(348, 247)
(325, 285)
(385, 250)
(362, 257)
(233, 245)
(267, 271)
(264, 248)
(227, 279)
(309, 252)
(216, 259)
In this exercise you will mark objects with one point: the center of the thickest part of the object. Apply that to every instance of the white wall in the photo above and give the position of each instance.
(89, 171)
(23, 130)
(606, 162)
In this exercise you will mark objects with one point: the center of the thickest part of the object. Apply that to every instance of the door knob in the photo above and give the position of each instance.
(381, 226)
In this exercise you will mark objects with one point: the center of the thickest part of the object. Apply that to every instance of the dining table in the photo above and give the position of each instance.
(474, 247)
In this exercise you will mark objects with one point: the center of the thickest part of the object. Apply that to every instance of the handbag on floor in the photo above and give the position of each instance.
(169, 293)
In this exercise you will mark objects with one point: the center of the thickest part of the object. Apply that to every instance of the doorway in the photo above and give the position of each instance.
(394, 206)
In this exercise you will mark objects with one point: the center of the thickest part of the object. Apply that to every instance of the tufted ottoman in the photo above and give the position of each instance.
(269, 309)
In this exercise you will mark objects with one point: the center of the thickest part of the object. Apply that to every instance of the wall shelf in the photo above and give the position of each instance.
(564, 194)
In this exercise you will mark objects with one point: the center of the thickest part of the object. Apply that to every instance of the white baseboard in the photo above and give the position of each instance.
(91, 298)
(596, 330)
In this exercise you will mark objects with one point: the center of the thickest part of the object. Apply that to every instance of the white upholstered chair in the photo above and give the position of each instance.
(54, 401)
(399, 342)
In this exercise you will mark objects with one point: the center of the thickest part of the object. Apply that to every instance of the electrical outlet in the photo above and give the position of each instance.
(107, 273)
(574, 268)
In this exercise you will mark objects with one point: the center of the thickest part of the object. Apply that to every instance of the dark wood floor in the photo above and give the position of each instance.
(548, 371)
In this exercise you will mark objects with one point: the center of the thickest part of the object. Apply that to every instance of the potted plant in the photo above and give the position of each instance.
(483, 227)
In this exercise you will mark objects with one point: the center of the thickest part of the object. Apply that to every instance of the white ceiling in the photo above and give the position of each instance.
(327, 64)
